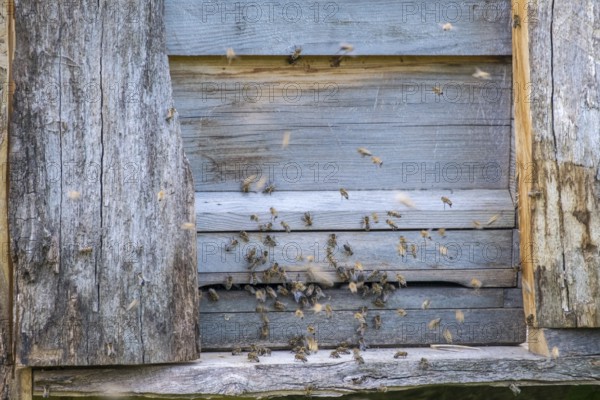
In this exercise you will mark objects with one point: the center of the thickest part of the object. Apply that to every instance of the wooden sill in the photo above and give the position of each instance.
(221, 374)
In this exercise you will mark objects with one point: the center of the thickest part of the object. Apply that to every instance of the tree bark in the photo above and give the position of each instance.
(100, 189)
(557, 113)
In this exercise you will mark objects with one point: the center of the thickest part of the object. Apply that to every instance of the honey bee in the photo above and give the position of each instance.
(274, 212)
(391, 224)
(348, 250)
(236, 351)
(328, 311)
(378, 302)
(75, 195)
(434, 323)
(212, 295)
(261, 295)
(399, 354)
(477, 224)
(516, 24)
(254, 217)
(299, 313)
(382, 389)
(263, 351)
(377, 161)
(360, 318)
(188, 226)
(364, 152)
(286, 226)
(357, 357)
(332, 242)
(282, 290)
(228, 282)
(493, 219)
(377, 322)
(232, 245)
(555, 353)
(253, 357)
(366, 223)
(269, 189)
(514, 389)
(476, 283)
(479, 74)
(313, 345)
(442, 232)
(244, 236)
(133, 305)
(405, 200)
(264, 331)
(413, 250)
(279, 306)
(353, 287)
(447, 335)
(334, 354)
(460, 316)
(247, 182)
(401, 312)
(446, 200)
(269, 241)
(170, 114)
(444, 251)
(376, 288)
(271, 293)
(375, 217)
(307, 219)
(426, 303)
(230, 54)
(266, 227)
(344, 193)
(447, 26)
(437, 90)
(285, 142)
(394, 214)
(343, 348)
(425, 234)
(424, 363)
(301, 357)
(295, 56)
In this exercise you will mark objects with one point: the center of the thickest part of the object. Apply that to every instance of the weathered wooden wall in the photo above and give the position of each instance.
(101, 191)
(557, 113)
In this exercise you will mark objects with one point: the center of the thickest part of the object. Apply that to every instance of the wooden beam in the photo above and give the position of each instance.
(221, 374)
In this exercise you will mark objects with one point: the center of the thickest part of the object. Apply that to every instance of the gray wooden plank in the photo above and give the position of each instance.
(481, 326)
(568, 342)
(513, 297)
(197, 27)
(472, 249)
(487, 277)
(409, 298)
(233, 123)
(221, 374)
(230, 211)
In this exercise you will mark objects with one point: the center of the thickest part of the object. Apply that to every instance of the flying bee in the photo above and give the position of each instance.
(228, 282)
(213, 295)
(555, 353)
(254, 217)
(479, 74)
(313, 345)
(271, 293)
(446, 200)
(399, 354)
(425, 234)
(299, 313)
(377, 322)
(475, 283)
(366, 223)
(244, 236)
(460, 316)
(334, 354)
(232, 245)
(269, 241)
(328, 311)
(253, 357)
(274, 212)
(269, 189)
(401, 312)
(377, 161)
(375, 217)
(447, 335)
(348, 249)
(247, 182)
(286, 226)
(391, 224)
(264, 331)
(394, 214)
(357, 357)
(434, 323)
(426, 304)
(442, 232)
(295, 56)
(332, 242)
(477, 224)
(364, 152)
(493, 219)
(230, 54)
(344, 193)
(279, 306)
(447, 26)
(307, 219)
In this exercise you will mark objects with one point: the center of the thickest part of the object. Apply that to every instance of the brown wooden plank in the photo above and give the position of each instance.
(208, 28)
(488, 277)
(481, 326)
(98, 174)
(234, 117)
(472, 249)
(220, 374)
(227, 211)
(409, 298)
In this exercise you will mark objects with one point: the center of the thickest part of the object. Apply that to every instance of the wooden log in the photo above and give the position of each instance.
(220, 374)
(558, 158)
(226, 212)
(100, 188)
(252, 28)
(234, 117)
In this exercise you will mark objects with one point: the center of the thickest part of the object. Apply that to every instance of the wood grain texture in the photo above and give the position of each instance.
(97, 176)
(227, 211)
(568, 342)
(374, 250)
(234, 117)
(559, 164)
(379, 27)
(220, 374)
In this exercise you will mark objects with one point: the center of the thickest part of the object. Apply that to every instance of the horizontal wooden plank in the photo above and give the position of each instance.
(221, 374)
(513, 297)
(197, 27)
(481, 326)
(472, 249)
(230, 211)
(409, 298)
(487, 277)
(233, 122)
(568, 342)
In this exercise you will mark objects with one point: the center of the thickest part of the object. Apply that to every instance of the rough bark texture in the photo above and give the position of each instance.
(221, 374)
(100, 189)
(557, 111)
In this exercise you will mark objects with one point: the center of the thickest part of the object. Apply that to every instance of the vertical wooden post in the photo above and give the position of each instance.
(557, 114)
